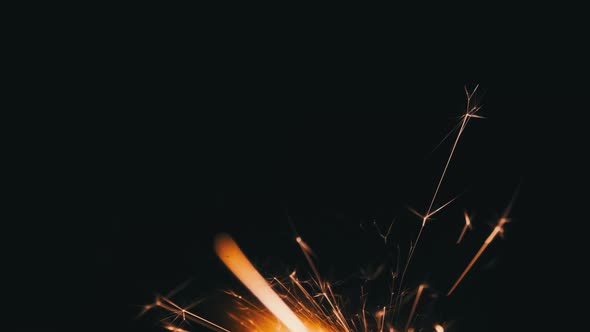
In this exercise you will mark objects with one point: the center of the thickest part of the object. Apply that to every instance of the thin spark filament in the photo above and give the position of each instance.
(497, 230)
(418, 295)
(166, 304)
(469, 113)
(312, 304)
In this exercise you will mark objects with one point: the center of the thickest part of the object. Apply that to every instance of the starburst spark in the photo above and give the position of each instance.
(291, 304)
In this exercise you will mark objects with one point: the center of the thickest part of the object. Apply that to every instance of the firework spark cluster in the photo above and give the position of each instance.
(311, 305)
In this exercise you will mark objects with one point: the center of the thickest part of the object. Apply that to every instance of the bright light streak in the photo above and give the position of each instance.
(235, 260)
(418, 295)
(499, 229)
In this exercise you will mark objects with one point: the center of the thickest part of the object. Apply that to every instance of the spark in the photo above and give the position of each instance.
(486, 243)
(381, 316)
(467, 225)
(308, 253)
(173, 328)
(311, 305)
(386, 235)
(326, 290)
(499, 229)
(235, 260)
(418, 295)
(167, 304)
(470, 112)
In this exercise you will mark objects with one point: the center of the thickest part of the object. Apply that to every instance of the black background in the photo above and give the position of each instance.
(146, 140)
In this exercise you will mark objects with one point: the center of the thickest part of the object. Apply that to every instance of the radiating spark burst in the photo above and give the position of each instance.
(291, 304)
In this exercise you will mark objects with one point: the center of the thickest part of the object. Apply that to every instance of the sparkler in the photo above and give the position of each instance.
(312, 306)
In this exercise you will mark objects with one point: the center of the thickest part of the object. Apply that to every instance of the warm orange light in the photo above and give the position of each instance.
(498, 230)
(311, 305)
(235, 260)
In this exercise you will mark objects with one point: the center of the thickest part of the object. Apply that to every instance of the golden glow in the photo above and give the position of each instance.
(439, 328)
(235, 260)
(185, 315)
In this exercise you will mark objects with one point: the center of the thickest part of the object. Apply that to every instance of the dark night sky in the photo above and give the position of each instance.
(152, 142)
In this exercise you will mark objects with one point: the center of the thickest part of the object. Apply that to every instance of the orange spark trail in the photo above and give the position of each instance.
(308, 252)
(418, 294)
(235, 260)
(467, 225)
(497, 230)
